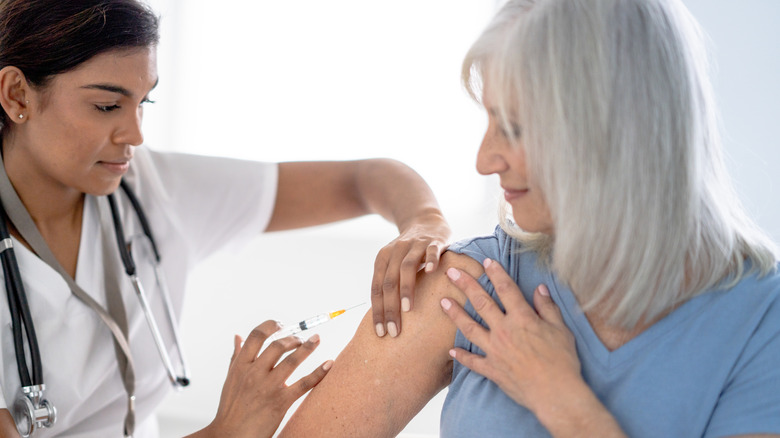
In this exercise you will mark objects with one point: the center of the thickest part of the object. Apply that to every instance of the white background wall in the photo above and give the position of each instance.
(349, 79)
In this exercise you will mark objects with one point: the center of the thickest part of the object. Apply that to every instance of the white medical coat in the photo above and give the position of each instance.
(196, 205)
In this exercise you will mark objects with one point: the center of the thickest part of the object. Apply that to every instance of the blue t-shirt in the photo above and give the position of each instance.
(710, 368)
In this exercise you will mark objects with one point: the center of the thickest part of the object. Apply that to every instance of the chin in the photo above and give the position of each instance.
(103, 189)
(530, 226)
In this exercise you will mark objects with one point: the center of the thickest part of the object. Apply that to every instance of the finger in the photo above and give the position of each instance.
(391, 295)
(409, 268)
(302, 386)
(546, 307)
(474, 362)
(433, 256)
(236, 348)
(472, 330)
(254, 342)
(294, 359)
(485, 306)
(271, 355)
(377, 296)
(506, 288)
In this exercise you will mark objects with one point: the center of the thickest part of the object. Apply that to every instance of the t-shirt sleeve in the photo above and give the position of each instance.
(750, 402)
(480, 248)
(214, 202)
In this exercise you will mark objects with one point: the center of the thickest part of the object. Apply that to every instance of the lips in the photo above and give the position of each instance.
(511, 194)
(119, 166)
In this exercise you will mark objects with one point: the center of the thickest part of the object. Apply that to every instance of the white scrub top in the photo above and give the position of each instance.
(196, 205)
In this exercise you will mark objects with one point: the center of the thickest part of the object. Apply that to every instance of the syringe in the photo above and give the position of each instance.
(309, 323)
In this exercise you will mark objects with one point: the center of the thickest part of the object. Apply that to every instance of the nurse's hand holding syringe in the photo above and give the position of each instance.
(255, 395)
(308, 323)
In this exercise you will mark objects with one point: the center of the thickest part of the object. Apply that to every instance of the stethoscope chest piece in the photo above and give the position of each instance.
(32, 411)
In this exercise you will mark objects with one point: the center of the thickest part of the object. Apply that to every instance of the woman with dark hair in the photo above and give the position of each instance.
(74, 77)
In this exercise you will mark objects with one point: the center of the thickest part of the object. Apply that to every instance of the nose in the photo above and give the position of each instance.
(489, 157)
(130, 130)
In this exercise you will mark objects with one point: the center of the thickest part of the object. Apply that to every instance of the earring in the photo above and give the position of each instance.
(21, 116)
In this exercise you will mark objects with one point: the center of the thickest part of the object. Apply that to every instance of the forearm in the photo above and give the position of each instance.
(577, 412)
(396, 192)
(318, 192)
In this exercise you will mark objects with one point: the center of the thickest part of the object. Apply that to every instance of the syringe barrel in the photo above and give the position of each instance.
(306, 324)
(314, 321)
(286, 331)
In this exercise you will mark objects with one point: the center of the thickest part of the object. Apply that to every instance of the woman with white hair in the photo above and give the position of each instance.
(628, 294)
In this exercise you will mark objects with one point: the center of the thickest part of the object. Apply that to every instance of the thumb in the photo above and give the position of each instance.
(546, 307)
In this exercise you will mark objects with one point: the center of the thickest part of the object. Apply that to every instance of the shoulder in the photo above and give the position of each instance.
(496, 246)
(182, 169)
(750, 397)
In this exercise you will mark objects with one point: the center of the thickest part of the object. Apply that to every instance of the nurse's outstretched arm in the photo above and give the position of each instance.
(313, 193)
(377, 385)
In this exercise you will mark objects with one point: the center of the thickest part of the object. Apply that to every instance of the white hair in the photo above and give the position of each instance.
(620, 131)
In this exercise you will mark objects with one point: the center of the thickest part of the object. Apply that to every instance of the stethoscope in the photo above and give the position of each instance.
(32, 410)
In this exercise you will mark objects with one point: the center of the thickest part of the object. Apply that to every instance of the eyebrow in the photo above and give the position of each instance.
(116, 88)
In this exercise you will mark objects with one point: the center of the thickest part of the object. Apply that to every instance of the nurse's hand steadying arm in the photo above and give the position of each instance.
(255, 396)
(313, 193)
(529, 353)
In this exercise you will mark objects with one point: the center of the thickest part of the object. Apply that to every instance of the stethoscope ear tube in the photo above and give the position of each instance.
(127, 260)
(141, 217)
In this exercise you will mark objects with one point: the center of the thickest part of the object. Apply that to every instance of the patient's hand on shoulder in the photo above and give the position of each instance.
(377, 385)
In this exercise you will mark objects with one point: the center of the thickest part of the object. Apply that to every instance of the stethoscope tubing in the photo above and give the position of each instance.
(139, 211)
(19, 307)
(21, 317)
(130, 269)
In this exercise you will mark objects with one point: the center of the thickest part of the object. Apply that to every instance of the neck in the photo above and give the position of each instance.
(49, 203)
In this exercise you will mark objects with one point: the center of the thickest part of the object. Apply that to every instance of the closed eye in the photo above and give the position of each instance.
(107, 108)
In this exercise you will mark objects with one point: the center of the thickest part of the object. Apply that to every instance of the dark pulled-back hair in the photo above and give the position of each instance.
(44, 38)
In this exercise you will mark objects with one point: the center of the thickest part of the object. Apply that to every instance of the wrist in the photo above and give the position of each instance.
(423, 216)
(576, 411)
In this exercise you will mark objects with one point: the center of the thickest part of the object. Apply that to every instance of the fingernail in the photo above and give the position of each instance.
(453, 273)
(380, 330)
(487, 263)
(392, 329)
(326, 366)
(543, 290)
(314, 339)
(406, 305)
(445, 304)
(429, 267)
(452, 353)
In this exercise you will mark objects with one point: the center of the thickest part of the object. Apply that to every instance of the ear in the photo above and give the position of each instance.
(14, 94)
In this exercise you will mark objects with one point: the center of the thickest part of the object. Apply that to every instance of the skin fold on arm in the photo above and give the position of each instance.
(377, 385)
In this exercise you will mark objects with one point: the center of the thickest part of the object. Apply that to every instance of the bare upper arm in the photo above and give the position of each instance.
(377, 385)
